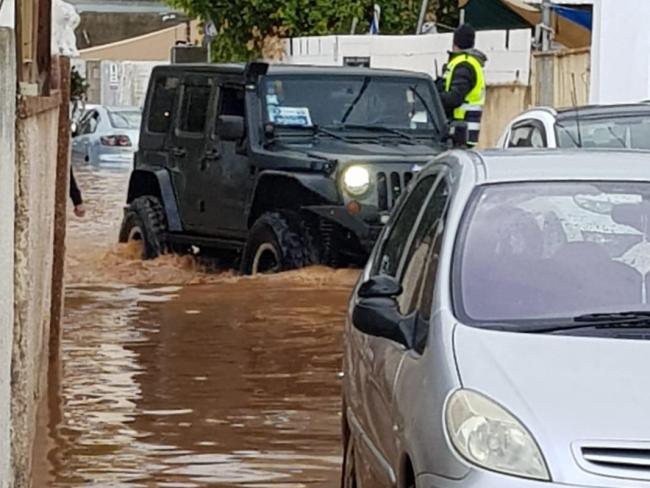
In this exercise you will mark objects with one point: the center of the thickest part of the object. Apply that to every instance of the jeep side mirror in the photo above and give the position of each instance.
(230, 127)
(74, 129)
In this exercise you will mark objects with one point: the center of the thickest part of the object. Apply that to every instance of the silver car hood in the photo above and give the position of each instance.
(570, 392)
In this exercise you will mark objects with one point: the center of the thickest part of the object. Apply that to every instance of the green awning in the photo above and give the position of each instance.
(492, 14)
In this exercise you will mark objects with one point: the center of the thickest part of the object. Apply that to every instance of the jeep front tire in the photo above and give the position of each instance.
(276, 242)
(145, 221)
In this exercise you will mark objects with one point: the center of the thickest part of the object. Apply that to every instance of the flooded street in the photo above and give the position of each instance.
(170, 376)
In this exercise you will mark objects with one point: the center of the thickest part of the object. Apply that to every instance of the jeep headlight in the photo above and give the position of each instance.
(356, 180)
(486, 435)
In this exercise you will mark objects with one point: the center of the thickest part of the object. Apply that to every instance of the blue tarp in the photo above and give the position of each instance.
(583, 18)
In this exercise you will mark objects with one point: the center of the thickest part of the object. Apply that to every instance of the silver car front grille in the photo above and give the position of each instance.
(390, 185)
(617, 458)
(620, 460)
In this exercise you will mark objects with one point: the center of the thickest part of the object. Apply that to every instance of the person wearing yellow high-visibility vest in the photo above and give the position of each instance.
(462, 86)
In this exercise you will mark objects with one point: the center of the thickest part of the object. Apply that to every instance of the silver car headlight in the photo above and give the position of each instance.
(356, 180)
(486, 435)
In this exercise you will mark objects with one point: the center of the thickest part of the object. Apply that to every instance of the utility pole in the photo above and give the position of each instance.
(546, 25)
(423, 13)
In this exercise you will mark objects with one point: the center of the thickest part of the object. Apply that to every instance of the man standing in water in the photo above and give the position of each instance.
(462, 86)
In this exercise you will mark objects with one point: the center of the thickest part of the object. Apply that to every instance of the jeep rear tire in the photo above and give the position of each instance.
(145, 221)
(276, 242)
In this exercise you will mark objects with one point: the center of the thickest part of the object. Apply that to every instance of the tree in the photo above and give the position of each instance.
(247, 29)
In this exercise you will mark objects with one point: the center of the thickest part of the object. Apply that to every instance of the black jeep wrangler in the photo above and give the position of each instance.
(285, 166)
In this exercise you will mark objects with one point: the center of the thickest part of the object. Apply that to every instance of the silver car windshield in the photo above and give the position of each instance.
(553, 250)
(610, 132)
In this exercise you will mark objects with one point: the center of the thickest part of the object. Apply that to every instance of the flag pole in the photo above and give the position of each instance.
(423, 13)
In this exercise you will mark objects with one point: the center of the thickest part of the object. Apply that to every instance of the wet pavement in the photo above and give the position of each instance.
(169, 376)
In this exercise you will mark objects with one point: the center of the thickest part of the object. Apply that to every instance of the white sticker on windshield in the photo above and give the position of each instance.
(290, 116)
(272, 100)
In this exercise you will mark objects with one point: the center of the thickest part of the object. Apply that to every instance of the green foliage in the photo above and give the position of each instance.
(78, 85)
(245, 26)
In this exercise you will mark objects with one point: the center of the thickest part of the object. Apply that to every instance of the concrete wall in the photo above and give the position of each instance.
(36, 162)
(7, 155)
(508, 52)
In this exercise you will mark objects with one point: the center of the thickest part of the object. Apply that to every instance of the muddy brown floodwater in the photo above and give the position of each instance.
(170, 376)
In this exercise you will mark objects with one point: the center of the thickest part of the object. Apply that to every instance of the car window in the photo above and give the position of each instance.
(194, 107)
(333, 101)
(388, 258)
(89, 125)
(553, 251)
(610, 131)
(418, 265)
(162, 104)
(125, 119)
(232, 101)
(529, 134)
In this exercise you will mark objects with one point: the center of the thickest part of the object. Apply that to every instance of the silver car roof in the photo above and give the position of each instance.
(495, 166)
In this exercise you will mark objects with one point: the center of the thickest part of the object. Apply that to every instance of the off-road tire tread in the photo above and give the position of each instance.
(289, 232)
(151, 214)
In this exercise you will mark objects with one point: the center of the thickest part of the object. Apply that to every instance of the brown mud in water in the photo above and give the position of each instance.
(230, 382)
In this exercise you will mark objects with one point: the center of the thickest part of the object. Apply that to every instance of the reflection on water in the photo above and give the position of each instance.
(232, 382)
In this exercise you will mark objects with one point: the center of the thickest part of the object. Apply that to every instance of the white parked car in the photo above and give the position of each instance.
(595, 126)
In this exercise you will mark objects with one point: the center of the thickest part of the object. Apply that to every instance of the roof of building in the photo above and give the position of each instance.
(121, 6)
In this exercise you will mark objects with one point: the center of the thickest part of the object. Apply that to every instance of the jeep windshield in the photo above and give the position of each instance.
(544, 253)
(376, 107)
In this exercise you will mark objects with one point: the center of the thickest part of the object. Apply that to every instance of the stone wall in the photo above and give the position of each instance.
(7, 155)
(36, 163)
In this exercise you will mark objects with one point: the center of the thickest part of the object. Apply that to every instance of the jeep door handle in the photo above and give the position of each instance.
(179, 152)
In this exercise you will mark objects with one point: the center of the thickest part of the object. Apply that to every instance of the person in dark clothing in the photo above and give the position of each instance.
(75, 196)
(462, 86)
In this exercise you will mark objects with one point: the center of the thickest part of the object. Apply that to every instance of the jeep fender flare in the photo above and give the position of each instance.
(276, 190)
(156, 183)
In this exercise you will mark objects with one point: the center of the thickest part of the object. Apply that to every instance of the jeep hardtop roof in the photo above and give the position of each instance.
(292, 69)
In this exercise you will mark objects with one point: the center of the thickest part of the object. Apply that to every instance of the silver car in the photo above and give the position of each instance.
(490, 342)
(106, 136)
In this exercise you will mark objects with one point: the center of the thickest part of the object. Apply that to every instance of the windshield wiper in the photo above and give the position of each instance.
(381, 128)
(423, 101)
(577, 143)
(610, 320)
(617, 137)
(309, 131)
(362, 90)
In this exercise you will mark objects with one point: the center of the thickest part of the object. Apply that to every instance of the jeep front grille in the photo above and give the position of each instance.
(389, 188)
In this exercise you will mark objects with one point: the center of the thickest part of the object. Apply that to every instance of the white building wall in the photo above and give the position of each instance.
(620, 54)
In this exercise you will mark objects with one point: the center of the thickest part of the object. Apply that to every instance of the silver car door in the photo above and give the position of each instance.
(379, 360)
